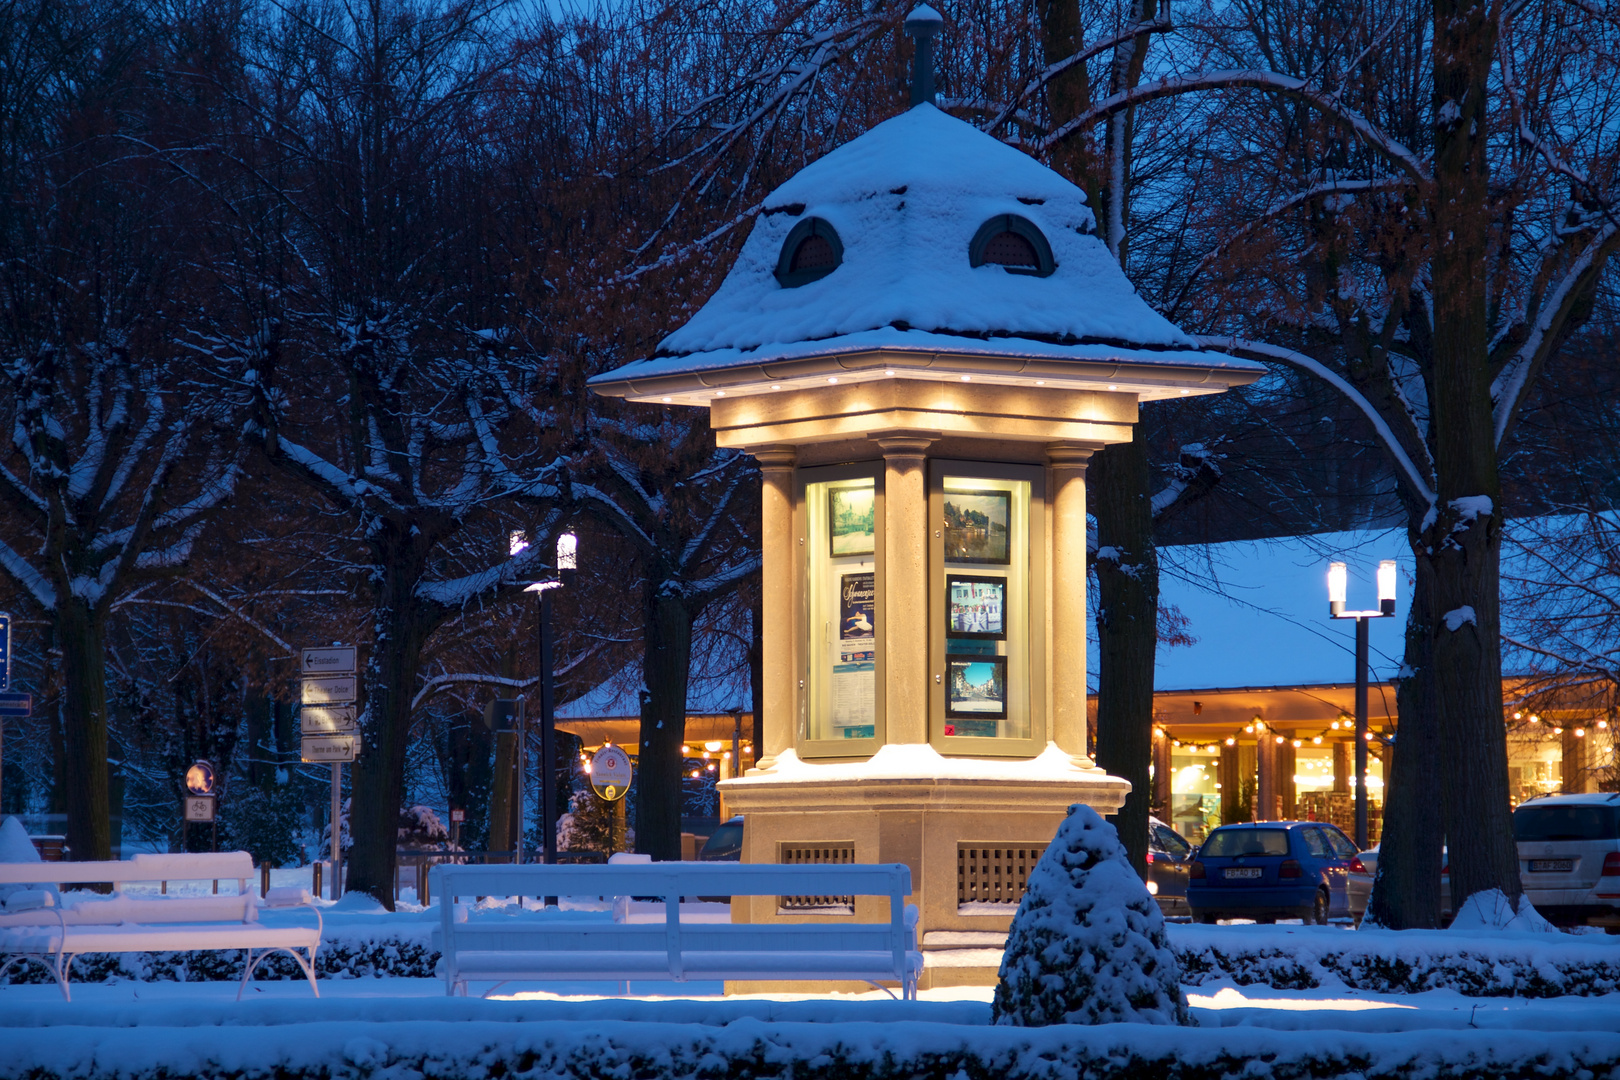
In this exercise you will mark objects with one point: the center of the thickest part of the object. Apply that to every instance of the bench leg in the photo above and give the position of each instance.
(52, 964)
(307, 965)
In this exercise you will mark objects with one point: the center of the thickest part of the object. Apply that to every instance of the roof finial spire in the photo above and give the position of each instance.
(923, 23)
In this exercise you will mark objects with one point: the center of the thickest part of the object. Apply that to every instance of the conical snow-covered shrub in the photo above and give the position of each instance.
(1087, 945)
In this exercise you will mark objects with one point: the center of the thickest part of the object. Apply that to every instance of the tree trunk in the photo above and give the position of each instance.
(1463, 542)
(378, 784)
(1406, 890)
(84, 729)
(663, 724)
(1127, 629)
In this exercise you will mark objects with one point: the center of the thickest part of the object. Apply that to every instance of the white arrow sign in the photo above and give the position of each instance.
(337, 690)
(328, 720)
(338, 660)
(329, 748)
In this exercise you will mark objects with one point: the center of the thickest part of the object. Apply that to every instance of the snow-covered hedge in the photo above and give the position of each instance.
(1300, 957)
(1407, 962)
(757, 1050)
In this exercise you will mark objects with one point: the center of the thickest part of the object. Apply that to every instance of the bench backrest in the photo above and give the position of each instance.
(673, 879)
(222, 865)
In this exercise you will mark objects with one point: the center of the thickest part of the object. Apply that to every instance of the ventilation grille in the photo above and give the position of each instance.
(1010, 249)
(814, 253)
(813, 854)
(994, 875)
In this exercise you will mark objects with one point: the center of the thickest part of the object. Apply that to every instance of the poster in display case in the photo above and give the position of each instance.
(852, 517)
(975, 607)
(854, 674)
(978, 527)
(975, 687)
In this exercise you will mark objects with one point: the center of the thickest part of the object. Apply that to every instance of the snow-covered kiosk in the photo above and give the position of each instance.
(921, 342)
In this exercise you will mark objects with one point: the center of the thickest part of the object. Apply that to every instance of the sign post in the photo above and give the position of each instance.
(329, 726)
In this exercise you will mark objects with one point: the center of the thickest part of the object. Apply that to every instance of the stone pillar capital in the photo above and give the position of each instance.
(1073, 455)
(905, 444)
(776, 458)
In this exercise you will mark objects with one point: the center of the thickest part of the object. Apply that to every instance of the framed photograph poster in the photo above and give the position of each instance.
(977, 527)
(854, 673)
(975, 607)
(975, 687)
(851, 513)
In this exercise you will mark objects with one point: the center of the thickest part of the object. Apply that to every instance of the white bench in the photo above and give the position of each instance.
(38, 923)
(482, 944)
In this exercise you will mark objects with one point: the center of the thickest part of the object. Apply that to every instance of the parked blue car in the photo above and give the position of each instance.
(1273, 870)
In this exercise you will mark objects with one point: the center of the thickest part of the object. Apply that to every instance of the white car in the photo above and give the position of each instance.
(1569, 857)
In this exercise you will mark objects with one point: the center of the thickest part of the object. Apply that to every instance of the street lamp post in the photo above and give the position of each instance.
(567, 563)
(1338, 585)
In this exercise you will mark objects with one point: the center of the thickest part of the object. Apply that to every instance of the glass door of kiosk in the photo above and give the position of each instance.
(842, 531)
(988, 612)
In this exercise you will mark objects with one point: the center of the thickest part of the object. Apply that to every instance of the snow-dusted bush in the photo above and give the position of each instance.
(1088, 944)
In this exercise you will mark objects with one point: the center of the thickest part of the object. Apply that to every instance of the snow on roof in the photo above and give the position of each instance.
(620, 695)
(1259, 611)
(906, 199)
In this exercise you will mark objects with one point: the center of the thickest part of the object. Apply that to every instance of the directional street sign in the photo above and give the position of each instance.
(328, 720)
(334, 690)
(329, 747)
(16, 704)
(5, 651)
(336, 660)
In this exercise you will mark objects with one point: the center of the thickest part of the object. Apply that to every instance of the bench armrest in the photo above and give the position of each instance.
(912, 915)
(286, 896)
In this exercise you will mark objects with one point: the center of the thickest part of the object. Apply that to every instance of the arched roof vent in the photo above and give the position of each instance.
(810, 252)
(1012, 243)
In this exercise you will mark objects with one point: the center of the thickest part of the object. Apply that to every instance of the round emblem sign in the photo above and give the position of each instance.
(610, 773)
(200, 778)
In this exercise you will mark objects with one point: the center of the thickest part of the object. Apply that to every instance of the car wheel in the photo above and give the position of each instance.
(1208, 918)
(1319, 910)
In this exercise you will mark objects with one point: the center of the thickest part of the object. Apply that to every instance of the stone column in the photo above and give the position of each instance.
(903, 621)
(1266, 783)
(1162, 775)
(1066, 494)
(779, 548)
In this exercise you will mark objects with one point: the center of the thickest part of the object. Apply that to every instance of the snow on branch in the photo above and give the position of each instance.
(1011, 110)
(1512, 383)
(26, 576)
(1324, 102)
(1260, 350)
(442, 682)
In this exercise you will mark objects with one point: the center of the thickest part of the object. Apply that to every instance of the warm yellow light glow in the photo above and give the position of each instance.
(1603, 725)
(1231, 741)
(713, 744)
(1248, 729)
(1518, 716)
(685, 749)
(1580, 733)
(1558, 731)
(888, 373)
(1298, 744)
(1316, 740)
(776, 386)
(669, 399)
(833, 379)
(1280, 740)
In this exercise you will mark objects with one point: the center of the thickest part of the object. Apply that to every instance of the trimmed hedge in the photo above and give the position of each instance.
(800, 1051)
(1374, 961)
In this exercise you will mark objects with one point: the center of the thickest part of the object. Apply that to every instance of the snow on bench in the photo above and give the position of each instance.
(38, 923)
(492, 945)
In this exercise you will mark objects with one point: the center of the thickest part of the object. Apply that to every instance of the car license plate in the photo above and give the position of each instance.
(1242, 872)
(1551, 866)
